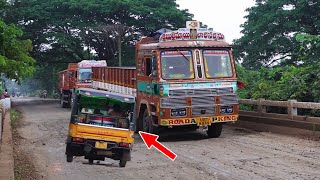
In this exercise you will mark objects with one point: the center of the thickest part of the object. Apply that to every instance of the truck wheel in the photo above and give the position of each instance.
(146, 123)
(62, 103)
(69, 158)
(122, 163)
(214, 130)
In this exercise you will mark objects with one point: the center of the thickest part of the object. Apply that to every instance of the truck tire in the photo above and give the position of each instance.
(147, 125)
(62, 103)
(214, 131)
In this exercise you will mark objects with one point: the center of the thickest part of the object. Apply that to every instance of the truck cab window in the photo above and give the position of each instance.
(217, 63)
(85, 75)
(177, 64)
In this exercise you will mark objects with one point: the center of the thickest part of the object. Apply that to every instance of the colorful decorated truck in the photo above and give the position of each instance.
(184, 79)
(78, 75)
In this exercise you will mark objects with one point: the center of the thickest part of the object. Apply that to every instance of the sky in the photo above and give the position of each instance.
(224, 16)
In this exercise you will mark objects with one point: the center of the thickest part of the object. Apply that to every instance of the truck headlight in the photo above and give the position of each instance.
(178, 112)
(174, 112)
(182, 112)
(226, 109)
(230, 109)
(222, 109)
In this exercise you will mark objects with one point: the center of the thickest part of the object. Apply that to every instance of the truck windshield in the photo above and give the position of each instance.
(177, 65)
(85, 75)
(217, 63)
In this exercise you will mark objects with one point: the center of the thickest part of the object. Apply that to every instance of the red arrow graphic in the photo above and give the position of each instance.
(151, 140)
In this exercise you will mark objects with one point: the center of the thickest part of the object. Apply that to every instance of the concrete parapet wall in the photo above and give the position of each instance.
(5, 105)
(301, 122)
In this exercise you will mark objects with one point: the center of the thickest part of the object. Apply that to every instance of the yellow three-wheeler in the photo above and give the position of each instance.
(101, 126)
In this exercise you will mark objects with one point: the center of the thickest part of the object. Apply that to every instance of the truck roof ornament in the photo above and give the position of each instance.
(193, 24)
(192, 32)
(92, 63)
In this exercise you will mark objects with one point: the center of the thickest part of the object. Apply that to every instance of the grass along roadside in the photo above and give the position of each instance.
(14, 116)
(23, 166)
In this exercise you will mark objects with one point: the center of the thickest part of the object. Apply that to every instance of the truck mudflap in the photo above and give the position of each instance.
(199, 121)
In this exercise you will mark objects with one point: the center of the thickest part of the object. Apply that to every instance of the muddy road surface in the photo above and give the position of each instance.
(237, 154)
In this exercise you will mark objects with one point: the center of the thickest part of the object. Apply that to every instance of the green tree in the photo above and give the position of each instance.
(65, 31)
(67, 27)
(15, 60)
(309, 51)
(270, 28)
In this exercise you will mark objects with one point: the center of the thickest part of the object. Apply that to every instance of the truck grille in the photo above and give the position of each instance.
(203, 101)
(203, 111)
(197, 92)
(173, 102)
(231, 99)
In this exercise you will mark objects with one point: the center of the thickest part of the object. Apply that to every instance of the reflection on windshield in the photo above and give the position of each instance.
(217, 63)
(177, 65)
(85, 75)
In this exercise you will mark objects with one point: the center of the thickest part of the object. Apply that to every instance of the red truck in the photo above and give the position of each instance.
(76, 76)
(184, 79)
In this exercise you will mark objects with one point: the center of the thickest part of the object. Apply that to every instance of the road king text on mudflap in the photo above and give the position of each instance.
(186, 78)
(77, 75)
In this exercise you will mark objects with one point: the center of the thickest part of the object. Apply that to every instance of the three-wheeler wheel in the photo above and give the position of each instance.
(122, 163)
(69, 158)
(90, 161)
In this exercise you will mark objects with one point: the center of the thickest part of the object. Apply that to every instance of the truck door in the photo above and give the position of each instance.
(150, 86)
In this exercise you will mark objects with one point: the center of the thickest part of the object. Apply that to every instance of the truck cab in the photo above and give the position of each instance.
(186, 78)
(77, 75)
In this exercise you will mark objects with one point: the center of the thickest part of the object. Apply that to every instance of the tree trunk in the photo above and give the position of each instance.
(119, 49)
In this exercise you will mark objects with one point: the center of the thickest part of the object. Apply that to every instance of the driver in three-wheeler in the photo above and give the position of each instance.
(101, 126)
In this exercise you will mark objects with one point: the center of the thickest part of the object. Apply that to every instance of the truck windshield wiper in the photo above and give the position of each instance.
(183, 55)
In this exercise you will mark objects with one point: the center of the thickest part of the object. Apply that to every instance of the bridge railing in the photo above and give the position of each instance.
(260, 113)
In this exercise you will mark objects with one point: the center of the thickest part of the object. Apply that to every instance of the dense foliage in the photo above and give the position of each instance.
(15, 60)
(61, 29)
(281, 47)
(269, 32)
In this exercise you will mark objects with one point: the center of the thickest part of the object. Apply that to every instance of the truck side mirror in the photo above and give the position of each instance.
(241, 84)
